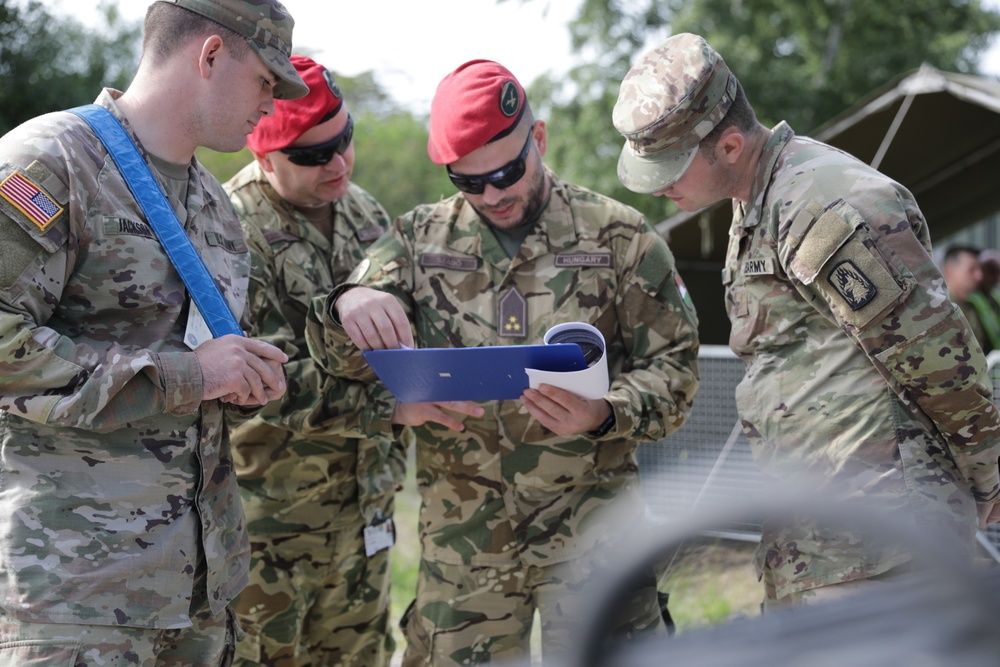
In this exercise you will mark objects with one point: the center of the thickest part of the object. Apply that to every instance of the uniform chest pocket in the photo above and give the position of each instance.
(301, 280)
(750, 276)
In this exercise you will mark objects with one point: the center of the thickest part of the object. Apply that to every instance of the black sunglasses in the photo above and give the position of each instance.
(319, 154)
(504, 177)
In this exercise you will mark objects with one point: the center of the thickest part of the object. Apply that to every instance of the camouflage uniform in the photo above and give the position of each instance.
(117, 479)
(861, 373)
(309, 484)
(505, 500)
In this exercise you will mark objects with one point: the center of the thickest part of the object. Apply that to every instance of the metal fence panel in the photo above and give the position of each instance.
(708, 464)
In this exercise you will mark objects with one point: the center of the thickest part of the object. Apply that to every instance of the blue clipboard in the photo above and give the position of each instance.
(469, 373)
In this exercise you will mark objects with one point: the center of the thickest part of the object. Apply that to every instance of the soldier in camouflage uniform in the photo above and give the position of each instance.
(515, 500)
(124, 540)
(862, 377)
(309, 485)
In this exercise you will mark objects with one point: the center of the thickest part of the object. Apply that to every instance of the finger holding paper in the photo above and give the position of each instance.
(563, 412)
(416, 414)
(373, 319)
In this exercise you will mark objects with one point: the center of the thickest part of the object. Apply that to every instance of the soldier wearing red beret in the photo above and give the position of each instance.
(311, 489)
(516, 495)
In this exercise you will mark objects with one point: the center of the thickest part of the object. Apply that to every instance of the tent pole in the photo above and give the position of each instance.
(891, 132)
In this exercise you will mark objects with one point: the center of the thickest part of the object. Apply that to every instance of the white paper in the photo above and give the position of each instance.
(592, 382)
(197, 331)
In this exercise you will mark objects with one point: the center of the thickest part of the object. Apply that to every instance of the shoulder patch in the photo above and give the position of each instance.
(854, 287)
(31, 200)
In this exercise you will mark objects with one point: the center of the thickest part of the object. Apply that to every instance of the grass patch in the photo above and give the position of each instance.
(711, 582)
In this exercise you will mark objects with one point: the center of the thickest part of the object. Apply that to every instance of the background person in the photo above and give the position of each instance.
(963, 276)
(513, 498)
(124, 540)
(833, 298)
(310, 486)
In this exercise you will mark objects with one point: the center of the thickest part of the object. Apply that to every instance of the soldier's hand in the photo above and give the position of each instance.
(241, 370)
(563, 412)
(988, 513)
(415, 414)
(374, 320)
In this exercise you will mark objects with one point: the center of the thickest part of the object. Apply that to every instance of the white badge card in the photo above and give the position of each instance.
(197, 331)
(379, 536)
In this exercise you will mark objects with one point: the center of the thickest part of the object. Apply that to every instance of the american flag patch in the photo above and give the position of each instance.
(30, 200)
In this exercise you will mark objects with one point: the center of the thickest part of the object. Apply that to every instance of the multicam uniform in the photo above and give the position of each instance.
(309, 484)
(506, 498)
(860, 372)
(119, 500)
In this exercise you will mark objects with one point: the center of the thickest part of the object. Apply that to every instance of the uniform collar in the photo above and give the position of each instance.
(292, 221)
(780, 136)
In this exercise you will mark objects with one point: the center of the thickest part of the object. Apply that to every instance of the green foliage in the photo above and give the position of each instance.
(223, 165)
(391, 162)
(807, 61)
(49, 63)
(803, 61)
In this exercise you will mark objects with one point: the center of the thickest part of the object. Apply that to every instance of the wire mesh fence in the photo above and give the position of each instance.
(707, 464)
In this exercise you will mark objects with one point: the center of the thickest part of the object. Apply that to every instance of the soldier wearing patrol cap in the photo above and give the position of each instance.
(515, 496)
(312, 490)
(124, 540)
(862, 376)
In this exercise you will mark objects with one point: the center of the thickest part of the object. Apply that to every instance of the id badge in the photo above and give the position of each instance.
(380, 534)
(197, 331)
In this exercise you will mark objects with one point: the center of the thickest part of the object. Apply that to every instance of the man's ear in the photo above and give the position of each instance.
(541, 137)
(210, 50)
(731, 145)
(263, 160)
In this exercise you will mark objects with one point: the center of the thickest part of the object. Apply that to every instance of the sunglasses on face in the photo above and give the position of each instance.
(504, 177)
(319, 154)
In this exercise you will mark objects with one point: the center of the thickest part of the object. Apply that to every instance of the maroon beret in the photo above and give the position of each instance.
(292, 118)
(479, 102)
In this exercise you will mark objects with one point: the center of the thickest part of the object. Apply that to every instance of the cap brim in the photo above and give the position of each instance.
(648, 174)
(290, 85)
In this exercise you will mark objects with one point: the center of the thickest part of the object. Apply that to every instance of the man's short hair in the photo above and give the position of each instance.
(955, 251)
(168, 27)
(740, 115)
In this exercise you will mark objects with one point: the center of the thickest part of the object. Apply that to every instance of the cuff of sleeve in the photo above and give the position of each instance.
(376, 418)
(331, 312)
(182, 381)
(607, 426)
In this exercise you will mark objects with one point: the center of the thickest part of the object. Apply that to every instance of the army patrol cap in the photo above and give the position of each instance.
(293, 118)
(478, 103)
(267, 25)
(668, 102)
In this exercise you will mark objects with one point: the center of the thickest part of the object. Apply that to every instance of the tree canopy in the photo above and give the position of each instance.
(49, 63)
(803, 61)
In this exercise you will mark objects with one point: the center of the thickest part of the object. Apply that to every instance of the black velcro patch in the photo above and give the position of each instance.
(852, 284)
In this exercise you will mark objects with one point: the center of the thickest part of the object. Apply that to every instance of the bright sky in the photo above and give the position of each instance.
(412, 45)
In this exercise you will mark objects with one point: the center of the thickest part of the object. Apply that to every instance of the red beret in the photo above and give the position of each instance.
(479, 102)
(292, 118)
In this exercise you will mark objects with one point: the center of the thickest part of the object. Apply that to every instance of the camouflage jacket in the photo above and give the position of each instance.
(506, 489)
(861, 375)
(116, 478)
(300, 462)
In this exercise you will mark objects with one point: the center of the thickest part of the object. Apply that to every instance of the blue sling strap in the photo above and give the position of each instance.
(162, 219)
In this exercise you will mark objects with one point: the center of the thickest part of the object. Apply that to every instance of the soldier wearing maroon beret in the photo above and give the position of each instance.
(311, 488)
(517, 494)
